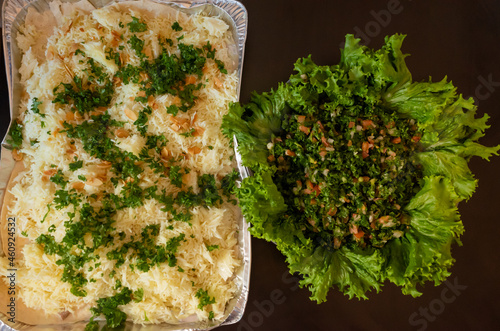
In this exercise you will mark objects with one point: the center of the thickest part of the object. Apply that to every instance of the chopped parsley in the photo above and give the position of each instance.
(136, 25)
(176, 26)
(75, 165)
(138, 295)
(211, 247)
(188, 133)
(112, 55)
(109, 308)
(79, 52)
(172, 109)
(16, 135)
(34, 107)
(137, 45)
(84, 99)
(142, 120)
(204, 298)
(145, 252)
(58, 178)
(175, 176)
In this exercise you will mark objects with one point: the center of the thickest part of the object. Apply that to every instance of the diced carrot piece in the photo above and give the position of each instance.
(290, 153)
(301, 118)
(416, 139)
(351, 125)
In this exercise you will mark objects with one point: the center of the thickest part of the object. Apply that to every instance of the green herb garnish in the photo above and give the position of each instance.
(136, 26)
(176, 26)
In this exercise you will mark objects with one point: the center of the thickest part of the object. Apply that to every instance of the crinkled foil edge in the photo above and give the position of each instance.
(231, 11)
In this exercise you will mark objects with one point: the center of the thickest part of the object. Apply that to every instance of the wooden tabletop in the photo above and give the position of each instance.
(458, 39)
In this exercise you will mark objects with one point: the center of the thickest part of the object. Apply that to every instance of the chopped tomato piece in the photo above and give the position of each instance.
(290, 153)
(321, 126)
(384, 219)
(366, 124)
(396, 140)
(304, 129)
(359, 235)
(324, 141)
(309, 184)
(332, 211)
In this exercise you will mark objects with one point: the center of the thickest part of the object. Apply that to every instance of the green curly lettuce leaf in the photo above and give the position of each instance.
(450, 131)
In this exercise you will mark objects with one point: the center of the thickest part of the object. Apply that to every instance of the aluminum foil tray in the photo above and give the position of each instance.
(235, 15)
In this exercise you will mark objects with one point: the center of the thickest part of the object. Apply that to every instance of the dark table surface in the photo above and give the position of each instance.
(459, 39)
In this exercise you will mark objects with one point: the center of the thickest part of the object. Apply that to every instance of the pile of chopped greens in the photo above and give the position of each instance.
(357, 170)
